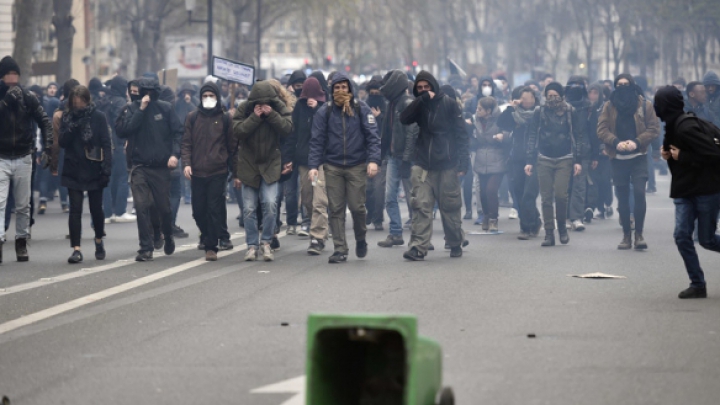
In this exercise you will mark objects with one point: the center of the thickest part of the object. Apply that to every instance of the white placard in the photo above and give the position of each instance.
(233, 71)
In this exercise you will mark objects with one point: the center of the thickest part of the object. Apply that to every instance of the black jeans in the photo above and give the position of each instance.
(151, 193)
(527, 189)
(489, 197)
(208, 206)
(95, 198)
(625, 172)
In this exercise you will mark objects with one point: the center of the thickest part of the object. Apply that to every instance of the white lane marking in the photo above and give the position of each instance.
(91, 270)
(292, 386)
(89, 299)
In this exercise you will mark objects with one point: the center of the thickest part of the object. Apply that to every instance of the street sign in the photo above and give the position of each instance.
(292, 386)
(233, 71)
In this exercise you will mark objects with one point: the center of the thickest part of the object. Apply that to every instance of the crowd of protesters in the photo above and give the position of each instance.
(328, 146)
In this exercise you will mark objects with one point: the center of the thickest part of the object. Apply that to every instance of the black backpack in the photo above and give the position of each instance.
(709, 132)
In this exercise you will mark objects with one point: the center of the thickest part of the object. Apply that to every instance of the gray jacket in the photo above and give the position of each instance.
(491, 155)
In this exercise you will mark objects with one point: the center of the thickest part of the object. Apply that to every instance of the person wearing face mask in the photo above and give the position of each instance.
(516, 119)
(553, 150)
(442, 156)
(376, 186)
(711, 81)
(153, 134)
(694, 161)
(186, 101)
(206, 156)
(345, 142)
(488, 88)
(600, 192)
(627, 126)
(295, 82)
(85, 137)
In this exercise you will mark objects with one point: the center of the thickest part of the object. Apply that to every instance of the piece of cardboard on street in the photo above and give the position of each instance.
(168, 77)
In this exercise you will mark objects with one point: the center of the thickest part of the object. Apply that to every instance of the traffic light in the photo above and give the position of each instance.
(415, 63)
(347, 68)
(307, 64)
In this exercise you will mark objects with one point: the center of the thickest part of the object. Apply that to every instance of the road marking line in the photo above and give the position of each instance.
(89, 270)
(292, 386)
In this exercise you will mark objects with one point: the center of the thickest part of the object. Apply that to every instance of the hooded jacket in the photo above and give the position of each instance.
(342, 140)
(50, 104)
(697, 170)
(182, 109)
(117, 99)
(79, 172)
(646, 124)
(17, 132)
(323, 82)
(491, 156)
(578, 99)
(297, 76)
(442, 142)
(713, 105)
(403, 137)
(206, 144)
(153, 134)
(471, 105)
(259, 139)
(297, 146)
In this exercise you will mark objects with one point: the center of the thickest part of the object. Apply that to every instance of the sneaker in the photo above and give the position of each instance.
(266, 252)
(456, 252)
(588, 215)
(480, 219)
(414, 255)
(21, 250)
(513, 214)
(251, 254)
(304, 231)
(316, 247)
(693, 292)
(225, 244)
(577, 225)
(126, 217)
(144, 257)
(179, 233)
(100, 250)
(210, 256)
(609, 211)
(468, 215)
(76, 257)
(379, 227)
(42, 208)
(337, 257)
(392, 240)
(361, 249)
(292, 230)
(158, 244)
(65, 208)
(275, 243)
(169, 245)
(111, 219)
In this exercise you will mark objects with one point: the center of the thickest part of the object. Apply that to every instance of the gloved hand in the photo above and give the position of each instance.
(45, 160)
(13, 97)
(405, 170)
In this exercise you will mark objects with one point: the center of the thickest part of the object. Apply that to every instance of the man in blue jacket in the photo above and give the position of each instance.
(346, 142)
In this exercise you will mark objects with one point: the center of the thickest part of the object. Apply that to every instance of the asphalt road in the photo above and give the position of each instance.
(182, 331)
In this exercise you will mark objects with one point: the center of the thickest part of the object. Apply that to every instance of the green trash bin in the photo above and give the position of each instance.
(368, 359)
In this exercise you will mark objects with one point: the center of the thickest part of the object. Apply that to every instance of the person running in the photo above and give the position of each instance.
(554, 139)
(85, 137)
(627, 126)
(345, 142)
(694, 161)
(442, 156)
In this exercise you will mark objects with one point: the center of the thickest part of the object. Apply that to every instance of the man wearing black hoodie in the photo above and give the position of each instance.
(19, 110)
(442, 155)
(295, 82)
(694, 160)
(712, 86)
(375, 193)
(153, 132)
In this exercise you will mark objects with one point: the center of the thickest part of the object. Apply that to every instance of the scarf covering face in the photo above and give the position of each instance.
(557, 106)
(78, 120)
(625, 99)
(342, 99)
(523, 116)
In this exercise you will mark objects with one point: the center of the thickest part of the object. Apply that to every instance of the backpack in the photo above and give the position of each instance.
(710, 132)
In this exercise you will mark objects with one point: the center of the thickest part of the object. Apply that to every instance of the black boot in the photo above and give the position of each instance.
(549, 238)
(21, 250)
(564, 237)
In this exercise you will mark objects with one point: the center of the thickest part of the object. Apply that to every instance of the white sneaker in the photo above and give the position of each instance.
(304, 231)
(110, 220)
(513, 214)
(251, 255)
(266, 252)
(578, 226)
(126, 217)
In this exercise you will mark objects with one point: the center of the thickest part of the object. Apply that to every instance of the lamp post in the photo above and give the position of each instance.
(190, 6)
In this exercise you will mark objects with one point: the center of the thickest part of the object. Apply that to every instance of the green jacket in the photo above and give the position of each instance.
(259, 138)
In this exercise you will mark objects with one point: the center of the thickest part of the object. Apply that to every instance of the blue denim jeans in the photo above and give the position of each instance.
(266, 195)
(116, 193)
(392, 186)
(704, 209)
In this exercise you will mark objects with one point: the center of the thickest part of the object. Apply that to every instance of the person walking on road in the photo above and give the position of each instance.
(694, 161)
(259, 126)
(346, 144)
(206, 155)
(85, 137)
(153, 132)
(442, 156)
(19, 110)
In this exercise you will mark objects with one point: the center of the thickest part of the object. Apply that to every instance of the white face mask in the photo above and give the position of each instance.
(487, 91)
(209, 103)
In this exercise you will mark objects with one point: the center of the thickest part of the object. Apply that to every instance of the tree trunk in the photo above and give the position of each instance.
(27, 27)
(65, 32)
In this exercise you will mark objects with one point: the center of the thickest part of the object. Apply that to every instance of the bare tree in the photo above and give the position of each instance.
(62, 20)
(25, 35)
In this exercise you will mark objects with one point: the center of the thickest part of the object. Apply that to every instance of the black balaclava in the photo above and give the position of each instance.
(575, 92)
(669, 104)
(625, 98)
